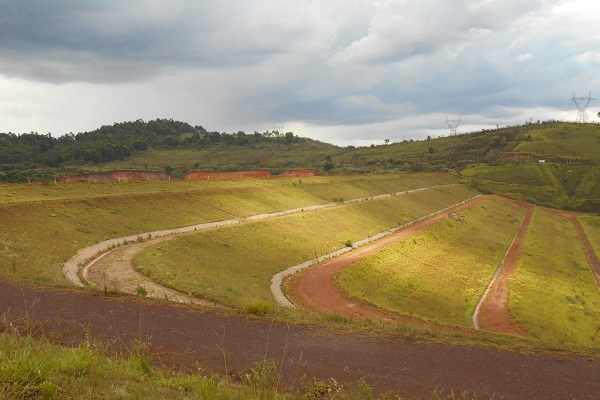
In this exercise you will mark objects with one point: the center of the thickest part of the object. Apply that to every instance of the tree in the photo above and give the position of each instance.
(328, 163)
(289, 137)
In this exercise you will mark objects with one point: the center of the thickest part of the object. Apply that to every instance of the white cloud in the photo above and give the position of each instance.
(589, 57)
(524, 57)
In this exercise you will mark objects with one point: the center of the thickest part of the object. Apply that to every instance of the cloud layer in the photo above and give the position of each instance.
(344, 71)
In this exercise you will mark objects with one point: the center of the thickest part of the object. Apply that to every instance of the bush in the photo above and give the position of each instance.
(257, 308)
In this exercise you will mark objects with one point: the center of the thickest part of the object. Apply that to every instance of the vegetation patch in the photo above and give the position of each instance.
(591, 226)
(441, 273)
(553, 293)
(216, 264)
(43, 225)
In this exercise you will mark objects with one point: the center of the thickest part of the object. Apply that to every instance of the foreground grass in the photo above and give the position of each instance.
(43, 225)
(439, 274)
(37, 368)
(34, 365)
(216, 264)
(553, 293)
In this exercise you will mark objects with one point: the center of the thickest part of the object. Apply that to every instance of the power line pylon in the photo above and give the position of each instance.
(582, 104)
(452, 124)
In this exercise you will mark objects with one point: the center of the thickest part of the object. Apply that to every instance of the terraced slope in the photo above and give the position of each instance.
(441, 273)
(554, 294)
(44, 225)
(234, 265)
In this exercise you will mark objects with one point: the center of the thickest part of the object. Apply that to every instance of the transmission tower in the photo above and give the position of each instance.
(452, 124)
(582, 104)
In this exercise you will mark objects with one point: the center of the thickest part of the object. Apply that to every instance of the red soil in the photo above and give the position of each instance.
(494, 313)
(314, 289)
(115, 176)
(192, 338)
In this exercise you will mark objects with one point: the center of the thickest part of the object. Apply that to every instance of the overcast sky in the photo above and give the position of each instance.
(342, 71)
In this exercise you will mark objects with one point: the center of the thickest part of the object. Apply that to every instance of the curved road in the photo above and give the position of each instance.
(315, 289)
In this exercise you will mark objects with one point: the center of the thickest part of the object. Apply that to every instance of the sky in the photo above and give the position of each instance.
(348, 72)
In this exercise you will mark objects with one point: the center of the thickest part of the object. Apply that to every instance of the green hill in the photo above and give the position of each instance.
(504, 160)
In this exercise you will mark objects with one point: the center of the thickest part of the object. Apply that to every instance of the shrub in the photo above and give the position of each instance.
(257, 308)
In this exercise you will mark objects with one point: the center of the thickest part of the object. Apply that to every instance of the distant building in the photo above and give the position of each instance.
(542, 161)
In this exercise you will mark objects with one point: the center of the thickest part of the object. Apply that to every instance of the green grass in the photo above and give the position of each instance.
(591, 226)
(38, 368)
(274, 157)
(577, 141)
(439, 274)
(44, 225)
(571, 187)
(217, 265)
(520, 174)
(553, 293)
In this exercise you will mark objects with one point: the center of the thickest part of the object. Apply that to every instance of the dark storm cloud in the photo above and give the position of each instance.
(232, 64)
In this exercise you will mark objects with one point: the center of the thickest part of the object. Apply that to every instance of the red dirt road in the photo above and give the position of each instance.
(190, 338)
(494, 313)
(314, 288)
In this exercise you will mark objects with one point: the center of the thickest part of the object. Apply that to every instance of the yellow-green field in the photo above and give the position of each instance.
(441, 273)
(234, 265)
(43, 225)
(575, 141)
(591, 226)
(554, 294)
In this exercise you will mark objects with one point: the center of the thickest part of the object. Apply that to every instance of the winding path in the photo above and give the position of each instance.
(107, 265)
(315, 289)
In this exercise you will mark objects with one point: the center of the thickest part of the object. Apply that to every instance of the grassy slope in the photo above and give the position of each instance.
(570, 181)
(553, 293)
(439, 274)
(216, 264)
(276, 157)
(39, 369)
(591, 226)
(575, 141)
(44, 225)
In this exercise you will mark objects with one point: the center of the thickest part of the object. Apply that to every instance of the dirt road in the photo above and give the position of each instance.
(494, 313)
(189, 337)
(314, 288)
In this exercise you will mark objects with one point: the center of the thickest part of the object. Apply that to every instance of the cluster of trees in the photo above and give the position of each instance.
(118, 141)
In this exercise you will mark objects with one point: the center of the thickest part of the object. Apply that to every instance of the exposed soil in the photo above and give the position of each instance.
(190, 337)
(315, 290)
(494, 313)
(116, 176)
(113, 272)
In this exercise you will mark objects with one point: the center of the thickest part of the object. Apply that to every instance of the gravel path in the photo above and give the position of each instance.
(107, 265)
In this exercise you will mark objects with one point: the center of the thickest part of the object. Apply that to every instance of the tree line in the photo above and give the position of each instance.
(118, 141)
